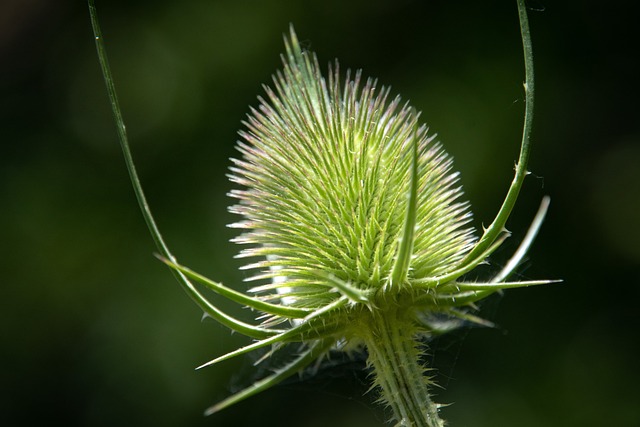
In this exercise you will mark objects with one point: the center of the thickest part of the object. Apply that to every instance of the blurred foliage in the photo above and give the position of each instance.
(96, 333)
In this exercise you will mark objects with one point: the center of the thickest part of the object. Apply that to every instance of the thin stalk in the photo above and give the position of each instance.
(122, 136)
(194, 294)
(498, 224)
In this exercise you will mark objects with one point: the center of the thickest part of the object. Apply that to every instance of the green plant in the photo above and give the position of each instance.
(354, 217)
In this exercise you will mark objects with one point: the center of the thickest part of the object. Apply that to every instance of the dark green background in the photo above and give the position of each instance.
(95, 332)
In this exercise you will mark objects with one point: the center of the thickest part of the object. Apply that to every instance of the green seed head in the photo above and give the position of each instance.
(353, 219)
(328, 168)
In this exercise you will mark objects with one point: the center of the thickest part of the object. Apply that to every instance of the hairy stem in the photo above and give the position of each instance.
(394, 356)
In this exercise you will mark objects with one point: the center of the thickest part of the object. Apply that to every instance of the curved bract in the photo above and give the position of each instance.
(354, 226)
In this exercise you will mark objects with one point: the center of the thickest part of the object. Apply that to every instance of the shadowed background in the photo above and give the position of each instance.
(95, 332)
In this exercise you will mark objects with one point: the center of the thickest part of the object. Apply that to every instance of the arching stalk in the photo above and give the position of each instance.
(498, 225)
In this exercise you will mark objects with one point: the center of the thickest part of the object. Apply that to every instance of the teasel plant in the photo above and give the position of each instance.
(354, 224)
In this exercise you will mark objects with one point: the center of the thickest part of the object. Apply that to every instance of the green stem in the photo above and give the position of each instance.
(497, 226)
(122, 136)
(393, 354)
(194, 294)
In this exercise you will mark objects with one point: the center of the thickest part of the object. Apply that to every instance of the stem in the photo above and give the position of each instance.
(497, 226)
(122, 137)
(207, 307)
(393, 354)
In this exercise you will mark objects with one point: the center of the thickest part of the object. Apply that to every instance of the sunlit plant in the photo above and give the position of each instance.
(356, 229)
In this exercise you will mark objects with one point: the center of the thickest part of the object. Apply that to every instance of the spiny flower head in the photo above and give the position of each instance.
(356, 231)
(354, 222)
(328, 169)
